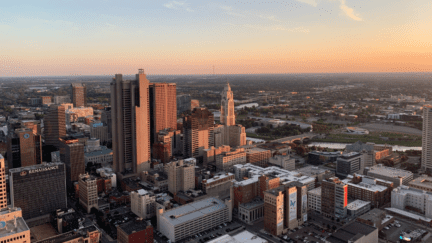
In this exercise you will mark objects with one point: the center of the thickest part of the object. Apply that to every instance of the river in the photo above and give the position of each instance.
(342, 146)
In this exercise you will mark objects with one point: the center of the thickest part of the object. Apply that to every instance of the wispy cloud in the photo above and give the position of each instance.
(271, 18)
(178, 5)
(349, 11)
(271, 27)
(313, 3)
(230, 11)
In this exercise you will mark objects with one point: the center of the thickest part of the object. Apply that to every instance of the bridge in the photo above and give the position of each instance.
(298, 138)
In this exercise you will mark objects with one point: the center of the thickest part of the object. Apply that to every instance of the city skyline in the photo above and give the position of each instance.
(190, 37)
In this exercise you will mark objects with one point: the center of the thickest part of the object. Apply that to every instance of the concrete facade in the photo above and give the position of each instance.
(130, 123)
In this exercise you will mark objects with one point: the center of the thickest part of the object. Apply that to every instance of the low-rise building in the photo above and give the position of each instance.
(357, 207)
(88, 234)
(190, 219)
(416, 200)
(376, 218)
(219, 185)
(252, 211)
(367, 188)
(422, 183)
(258, 156)
(283, 161)
(319, 158)
(316, 172)
(226, 160)
(355, 232)
(13, 226)
(397, 176)
(137, 230)
(241, 237)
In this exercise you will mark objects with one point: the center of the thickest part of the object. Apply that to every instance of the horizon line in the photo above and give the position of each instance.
(214, 75)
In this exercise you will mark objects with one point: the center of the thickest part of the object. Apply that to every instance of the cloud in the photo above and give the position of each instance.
(178, 5)
(271, 18)
(230, 11)
(271, 27)
(349, 11)
(313, 3)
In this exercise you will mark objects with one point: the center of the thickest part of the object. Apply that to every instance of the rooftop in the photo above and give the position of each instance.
(242, 237)
(316, 191)
(134, 226)
(219, 176)
(41, 167)
(13, 226)
(389, 171)
(252, 204)
(424, 181)
(357, 204)
(193, 210)
(311, 170)
(69, 236)
(103, 151)
(351, 231)
(359, 146)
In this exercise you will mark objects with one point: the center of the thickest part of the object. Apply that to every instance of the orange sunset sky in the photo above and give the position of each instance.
(44, 38)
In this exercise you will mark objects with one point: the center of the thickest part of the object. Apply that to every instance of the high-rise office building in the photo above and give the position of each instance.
(3, 191)
(88, 196)
(183, 103)
(198, 132)
(227, 116)
(229, 133)
(143, 203)
(181, 175)
(163, 108)
(130, 123)
(285, 207)
(55, 125)
(24, 147)
(72, 154)
(426, 159)
(79, 95)
(106, 119)
(334, 198)
(38, 189)
(349, 163)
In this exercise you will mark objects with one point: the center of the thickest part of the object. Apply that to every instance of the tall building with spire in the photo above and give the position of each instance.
(227, 107)
(228, 133)
(130, 123)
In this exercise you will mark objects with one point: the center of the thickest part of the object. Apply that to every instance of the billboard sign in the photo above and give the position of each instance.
(304, 204)
(293, 206)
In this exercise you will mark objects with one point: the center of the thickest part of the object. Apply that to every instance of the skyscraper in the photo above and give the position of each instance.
(79, 95)
(55, 125)
(130, 123)
(38, 189)
(198, 132)
(3, 193)
(163, 108)
(426, 159)
(72, 154)
(228, 133)
(23, 144)
(227, 116)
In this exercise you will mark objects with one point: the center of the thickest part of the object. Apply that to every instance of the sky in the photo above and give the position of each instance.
(104, 37)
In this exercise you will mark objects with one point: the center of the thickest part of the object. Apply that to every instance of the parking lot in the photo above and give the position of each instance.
(306, 233)
(204, 236)
(393, 232)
